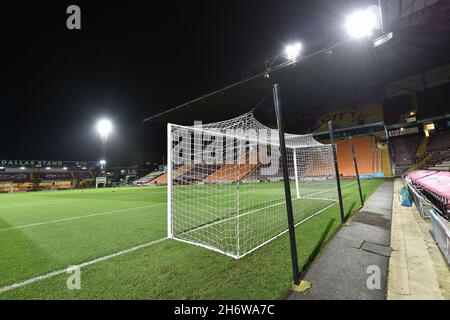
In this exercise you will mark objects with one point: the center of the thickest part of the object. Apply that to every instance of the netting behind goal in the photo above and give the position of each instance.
(225, 184)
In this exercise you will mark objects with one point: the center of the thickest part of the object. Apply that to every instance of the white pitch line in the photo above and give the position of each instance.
(82, 265)
(80, 217)
(313, 194)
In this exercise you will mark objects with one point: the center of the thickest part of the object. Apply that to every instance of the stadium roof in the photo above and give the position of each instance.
(352, 69)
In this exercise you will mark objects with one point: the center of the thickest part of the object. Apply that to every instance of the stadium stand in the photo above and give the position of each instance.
(197, 173)
(422, 147)
(162, 179)
(83, 175)
(56, 185)
(148, 178)
(435, 186)
(34, 180)
(230, 173)
(316, 168)
(404, 149)
(438, 150)
(14, 177)
(368, 156)
(53, 176)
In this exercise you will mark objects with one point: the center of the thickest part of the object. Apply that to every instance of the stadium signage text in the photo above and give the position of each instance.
(38, 163)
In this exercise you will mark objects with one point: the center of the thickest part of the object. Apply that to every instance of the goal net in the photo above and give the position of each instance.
(225, 183)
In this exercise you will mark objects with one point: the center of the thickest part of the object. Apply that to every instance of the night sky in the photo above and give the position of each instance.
(128, 62)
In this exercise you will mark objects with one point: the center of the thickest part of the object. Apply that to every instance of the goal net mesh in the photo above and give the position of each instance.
(225, 183)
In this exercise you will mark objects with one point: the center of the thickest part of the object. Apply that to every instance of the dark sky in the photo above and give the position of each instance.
(128, 61)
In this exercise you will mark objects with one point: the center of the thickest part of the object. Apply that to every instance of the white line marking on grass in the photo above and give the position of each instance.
(80, 217)
(82, 265)
(327, 190)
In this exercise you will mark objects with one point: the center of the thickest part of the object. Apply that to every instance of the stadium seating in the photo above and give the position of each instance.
(14, 177)
(162, 179)
(53, 176)
(404, 149)
(197, 173)
(317, 168)
(438, 148)
(83, 175)
(435, 186)
(368, 156)
(230, 173)
(148, 178)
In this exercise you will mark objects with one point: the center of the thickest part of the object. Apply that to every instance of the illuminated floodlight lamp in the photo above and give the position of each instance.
(84, 168)
(2, 168)
(102, 162)
(104, 128)
(363, 23)
(22, 168)
(65, 168)
(293, 51)
(48, 168)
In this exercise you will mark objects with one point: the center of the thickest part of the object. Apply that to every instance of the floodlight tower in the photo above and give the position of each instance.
(104, 128)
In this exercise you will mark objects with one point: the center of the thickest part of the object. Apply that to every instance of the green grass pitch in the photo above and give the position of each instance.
(48, 231)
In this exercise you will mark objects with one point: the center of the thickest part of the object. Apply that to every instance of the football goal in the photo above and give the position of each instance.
(225, 183)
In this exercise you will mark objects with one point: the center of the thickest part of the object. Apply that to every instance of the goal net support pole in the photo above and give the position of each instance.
(355, 164)
(336, 168)
(169, 181)
(287, 188)
(297, 189)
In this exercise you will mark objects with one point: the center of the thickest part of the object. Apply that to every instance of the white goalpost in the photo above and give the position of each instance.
(225, 183)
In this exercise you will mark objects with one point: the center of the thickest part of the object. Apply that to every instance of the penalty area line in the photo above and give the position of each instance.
(81, 265)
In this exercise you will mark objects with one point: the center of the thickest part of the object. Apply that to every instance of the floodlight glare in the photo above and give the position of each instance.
(104, 127)
(102, 162)
(293, 51)
(361, 23)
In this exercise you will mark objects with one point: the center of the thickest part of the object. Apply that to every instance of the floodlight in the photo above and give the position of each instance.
(102, 162)
(65, 168)
(2, 168)
(293, 51)
(104, 127)
(84, 168)
(361, 23)
(22, 168)
(48, 168)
